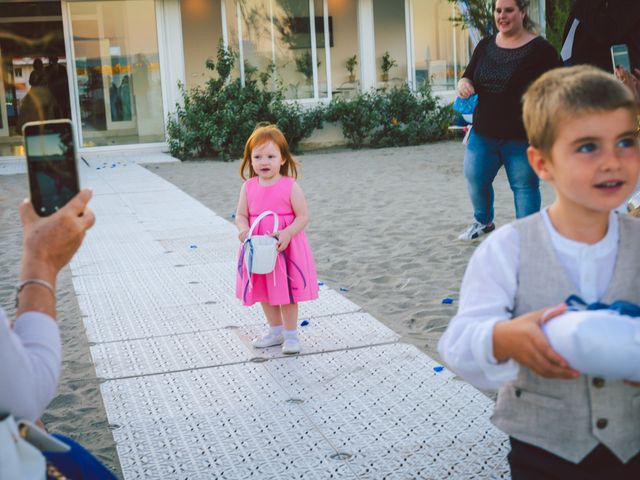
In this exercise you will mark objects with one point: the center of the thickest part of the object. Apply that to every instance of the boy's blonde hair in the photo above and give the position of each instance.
(563, 93)
(263, 134)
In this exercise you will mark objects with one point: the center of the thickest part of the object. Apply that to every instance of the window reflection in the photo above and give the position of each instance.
(276, 40)
(441, 50)
(118, 72)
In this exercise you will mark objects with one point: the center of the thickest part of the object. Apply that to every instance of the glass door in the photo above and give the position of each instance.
(33, 75)
(117, 66)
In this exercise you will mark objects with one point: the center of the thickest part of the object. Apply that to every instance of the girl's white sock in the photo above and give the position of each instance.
(276, 330)
(290, 334)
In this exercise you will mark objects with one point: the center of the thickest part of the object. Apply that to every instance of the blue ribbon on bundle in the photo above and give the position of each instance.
(575, 302)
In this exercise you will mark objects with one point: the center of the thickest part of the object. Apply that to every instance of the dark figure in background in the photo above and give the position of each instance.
(115, 102)
(601, 24)
(58, 82)
(125, 98)
(39, 103)
(37, 76)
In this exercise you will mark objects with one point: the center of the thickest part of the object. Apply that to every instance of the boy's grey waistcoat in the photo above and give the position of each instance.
(570, 417)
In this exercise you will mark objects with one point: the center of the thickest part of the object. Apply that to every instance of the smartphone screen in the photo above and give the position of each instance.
(51, 163)
(620, 57)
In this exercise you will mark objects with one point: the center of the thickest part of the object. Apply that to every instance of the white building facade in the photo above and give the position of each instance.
(124, 59)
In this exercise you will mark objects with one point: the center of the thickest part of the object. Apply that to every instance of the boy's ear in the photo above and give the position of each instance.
(539, 163)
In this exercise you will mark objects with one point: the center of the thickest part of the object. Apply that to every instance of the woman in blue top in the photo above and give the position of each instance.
(501, 68)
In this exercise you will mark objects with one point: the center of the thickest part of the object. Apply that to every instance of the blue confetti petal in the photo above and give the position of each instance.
(343, 289)
(320, 284)
(447, 301)
(304, 323)
(233, 215)
(194, 246)
(438, 369)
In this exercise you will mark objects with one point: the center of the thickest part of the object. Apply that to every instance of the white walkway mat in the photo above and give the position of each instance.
(189, 397)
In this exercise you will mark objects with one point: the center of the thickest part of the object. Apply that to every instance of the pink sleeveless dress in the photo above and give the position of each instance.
(294, 278)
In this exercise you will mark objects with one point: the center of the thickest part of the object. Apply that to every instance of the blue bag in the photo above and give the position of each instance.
(467, 105)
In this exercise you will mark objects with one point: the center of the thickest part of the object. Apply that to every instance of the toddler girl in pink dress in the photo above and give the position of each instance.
(271, 186)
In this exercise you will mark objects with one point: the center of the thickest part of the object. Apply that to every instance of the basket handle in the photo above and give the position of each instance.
(260, 217)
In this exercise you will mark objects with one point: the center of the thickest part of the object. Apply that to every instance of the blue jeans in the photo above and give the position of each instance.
(483, 158)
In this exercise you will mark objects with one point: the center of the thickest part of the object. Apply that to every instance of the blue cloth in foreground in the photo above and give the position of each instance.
(78, 463)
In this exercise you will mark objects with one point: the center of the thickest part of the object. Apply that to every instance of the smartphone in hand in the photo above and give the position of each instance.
(51, 164)
(620, 57)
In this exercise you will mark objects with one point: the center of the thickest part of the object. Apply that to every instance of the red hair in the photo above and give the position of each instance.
(260, 136)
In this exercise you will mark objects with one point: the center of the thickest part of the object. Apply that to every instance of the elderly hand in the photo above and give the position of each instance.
(631, 80)
(50, 242)
(465, 88)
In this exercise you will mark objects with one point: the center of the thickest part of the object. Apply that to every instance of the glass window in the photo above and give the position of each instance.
(391, 41)
(33, 70)
(441, 50)
(117, 71)
(201, 32)
(343, 30)
(276, 37)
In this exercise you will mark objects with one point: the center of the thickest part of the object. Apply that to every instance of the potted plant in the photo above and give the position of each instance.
(351, 66)
(387, 64)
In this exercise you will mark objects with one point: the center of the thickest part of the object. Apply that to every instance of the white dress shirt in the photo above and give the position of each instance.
(489, 288)
(30, 363)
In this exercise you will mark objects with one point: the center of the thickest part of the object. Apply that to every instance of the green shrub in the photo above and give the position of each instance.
(391, 117)
(358, 117)
(217, 119)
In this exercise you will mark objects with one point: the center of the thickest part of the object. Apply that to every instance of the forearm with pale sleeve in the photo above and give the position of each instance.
(486, 298)
(30, 363)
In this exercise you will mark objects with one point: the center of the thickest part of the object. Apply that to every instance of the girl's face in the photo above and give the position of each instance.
(266, 161)
(509, 18)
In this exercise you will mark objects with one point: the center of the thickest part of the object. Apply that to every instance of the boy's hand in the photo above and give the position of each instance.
(523, 340)
(284, 237)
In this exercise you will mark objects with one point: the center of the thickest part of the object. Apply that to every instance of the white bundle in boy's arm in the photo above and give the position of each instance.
(486, 298)
(601, 343)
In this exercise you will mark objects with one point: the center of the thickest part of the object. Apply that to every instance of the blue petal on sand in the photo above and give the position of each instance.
(447, 301)
(438, 369)
(304, 323)
(343, 289)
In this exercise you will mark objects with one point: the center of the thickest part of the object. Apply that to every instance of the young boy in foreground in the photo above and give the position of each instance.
(581, 125)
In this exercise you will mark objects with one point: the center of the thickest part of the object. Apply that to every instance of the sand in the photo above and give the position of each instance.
(383, 226)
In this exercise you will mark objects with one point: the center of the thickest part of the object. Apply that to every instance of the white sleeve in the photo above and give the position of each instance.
(486, 297)
(30, 363)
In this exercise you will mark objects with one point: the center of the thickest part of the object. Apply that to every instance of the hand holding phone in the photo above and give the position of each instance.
(620, 57)
(51, 164)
